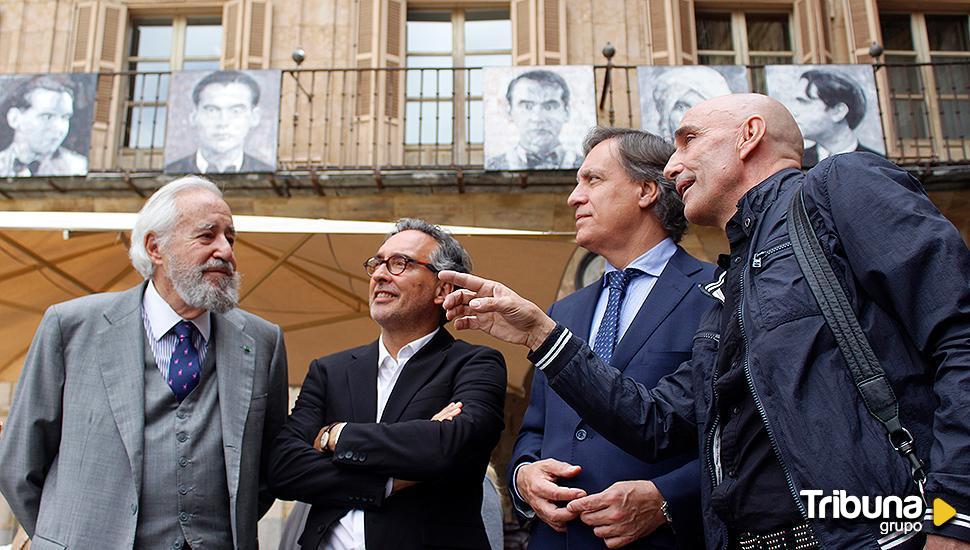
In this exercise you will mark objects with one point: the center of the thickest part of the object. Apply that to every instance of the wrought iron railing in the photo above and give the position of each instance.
(432, 118)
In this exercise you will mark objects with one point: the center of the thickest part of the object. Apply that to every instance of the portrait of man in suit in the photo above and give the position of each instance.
(538, 104)
(830, 106)
(143, 418)
(38, 117)
(389, 442)
(641, 317)
(225, 110)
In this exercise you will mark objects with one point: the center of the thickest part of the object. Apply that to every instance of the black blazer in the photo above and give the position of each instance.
(448, 458)
(187, 165)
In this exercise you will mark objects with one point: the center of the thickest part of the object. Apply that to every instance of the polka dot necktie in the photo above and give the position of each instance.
(184, 370)
(610, 324)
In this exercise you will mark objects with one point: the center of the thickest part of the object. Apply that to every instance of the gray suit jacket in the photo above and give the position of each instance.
(72, 451)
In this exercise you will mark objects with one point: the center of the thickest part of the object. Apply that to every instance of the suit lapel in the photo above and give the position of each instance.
(418, 370)
(669, 290)
(362, 384)
(123, 373)
(235, 362)
(579, 319)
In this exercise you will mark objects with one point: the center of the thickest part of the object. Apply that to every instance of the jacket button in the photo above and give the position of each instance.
(183, 490)
(183, 517)
(134, 509)
(581, 434)
(180, 415)
(733, 473)
(181, 437)
(363, 457)
(747, 222)
(183, 462)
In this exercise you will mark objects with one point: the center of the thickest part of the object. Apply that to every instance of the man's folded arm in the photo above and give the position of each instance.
(650, 424)
(420, 450)
(297, 471)
(31, 437)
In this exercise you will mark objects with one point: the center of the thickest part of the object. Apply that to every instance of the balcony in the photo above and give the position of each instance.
(394, 120)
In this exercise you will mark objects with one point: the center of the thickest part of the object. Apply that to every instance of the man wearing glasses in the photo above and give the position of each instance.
(389, 442)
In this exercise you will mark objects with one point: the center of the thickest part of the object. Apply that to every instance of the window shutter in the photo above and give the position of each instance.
(85, 20)
(110, 45)
(394, 57)
(524, 32)
(862, 27)
(686, 29)
(658, 23)
(232, 34)
(258, 26)
(552, 32)
(812, 32)
(367, 13)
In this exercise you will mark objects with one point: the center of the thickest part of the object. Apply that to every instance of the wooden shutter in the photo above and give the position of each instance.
(811, 29)
(658, 23)
(686, 30)
(552, 32)
(394, 48)
(524, 47)
(232, 34)
(256, 35)
(862, 28)
(368, 29)
(98, 43)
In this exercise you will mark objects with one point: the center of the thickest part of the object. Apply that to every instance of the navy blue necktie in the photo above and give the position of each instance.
(610, 324)
(184, 370)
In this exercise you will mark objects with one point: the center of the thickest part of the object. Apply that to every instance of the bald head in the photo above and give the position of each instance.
(727, 145)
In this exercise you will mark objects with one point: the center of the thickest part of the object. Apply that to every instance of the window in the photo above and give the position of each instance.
(437, 42)
(745, 38)
(159, 46)
(928, 101)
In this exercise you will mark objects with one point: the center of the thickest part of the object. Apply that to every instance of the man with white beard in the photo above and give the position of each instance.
(153, 407)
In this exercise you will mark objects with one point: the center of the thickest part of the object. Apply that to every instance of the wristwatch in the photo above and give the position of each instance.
(321, 443)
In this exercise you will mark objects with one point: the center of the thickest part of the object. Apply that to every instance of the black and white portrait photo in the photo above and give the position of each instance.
(666, 93)
(835, 106)
(222, 122)
(45, 124)
(536, 118)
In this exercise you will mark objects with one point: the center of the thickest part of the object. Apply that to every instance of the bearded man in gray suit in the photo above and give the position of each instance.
(142, 419)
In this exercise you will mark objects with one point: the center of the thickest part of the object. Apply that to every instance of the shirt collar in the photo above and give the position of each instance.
(653, 261)
(408, 351)
(522, 156)
(203, 164)
(162, 317)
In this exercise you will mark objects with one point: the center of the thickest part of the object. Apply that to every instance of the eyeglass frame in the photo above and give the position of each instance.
(386, 263)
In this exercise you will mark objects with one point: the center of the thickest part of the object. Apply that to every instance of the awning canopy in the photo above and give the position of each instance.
(303, 274)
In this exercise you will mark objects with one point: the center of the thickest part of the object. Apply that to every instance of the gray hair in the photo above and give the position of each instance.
(158, 216)
(449, 254)
(644, 156)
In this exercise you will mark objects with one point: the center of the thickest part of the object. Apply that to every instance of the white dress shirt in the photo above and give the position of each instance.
(159, 318)
(234, 166)
(348, 533)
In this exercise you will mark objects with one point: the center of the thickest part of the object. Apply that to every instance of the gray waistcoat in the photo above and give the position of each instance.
(184, 494)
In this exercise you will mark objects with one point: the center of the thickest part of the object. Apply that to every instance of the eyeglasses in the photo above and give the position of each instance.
(396, 264)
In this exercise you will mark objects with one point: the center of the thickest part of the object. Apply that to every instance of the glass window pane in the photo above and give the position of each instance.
(203, 40)
(910, 117)
(475, 133)
(200, 65)
(488, 35)
(143, 124)
(903, 78)
(947, 33)
(955, 115)
(714, 31)
(429, 36)
(716, 59)
(758, 73)
(897, 33)
(428, 82)
(952, 78)
(768, 32)
(149, 87)
(473, 77)
(424, 118)
(152, 40)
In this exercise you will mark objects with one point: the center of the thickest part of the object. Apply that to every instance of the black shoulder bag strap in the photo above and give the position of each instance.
(868, 375)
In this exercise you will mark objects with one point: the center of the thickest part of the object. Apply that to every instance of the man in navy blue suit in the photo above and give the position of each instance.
(640, 317)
